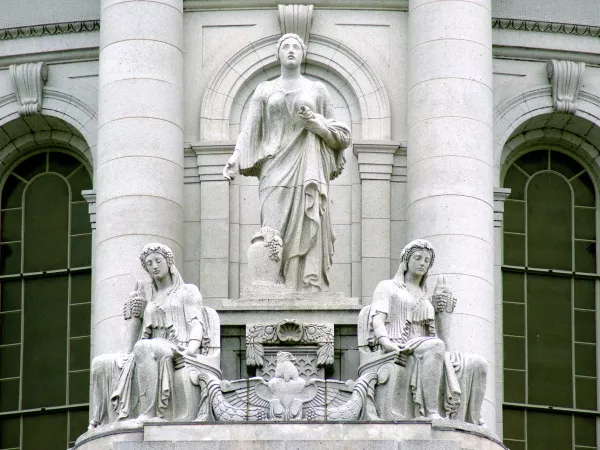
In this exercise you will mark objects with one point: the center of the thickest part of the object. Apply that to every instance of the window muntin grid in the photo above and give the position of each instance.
(45, 276)
(550, 284)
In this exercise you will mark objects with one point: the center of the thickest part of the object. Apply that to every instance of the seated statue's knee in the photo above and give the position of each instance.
(479, 364)
(101, 361)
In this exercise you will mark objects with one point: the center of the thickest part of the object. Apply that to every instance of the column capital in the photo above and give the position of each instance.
(500, 196)
(211, 158)
(90, 196)
(376, 158)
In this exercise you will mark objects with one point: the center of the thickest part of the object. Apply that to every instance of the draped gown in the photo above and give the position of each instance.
(294, 167)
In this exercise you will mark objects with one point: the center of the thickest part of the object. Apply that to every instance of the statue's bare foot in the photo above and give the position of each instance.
(434, 415)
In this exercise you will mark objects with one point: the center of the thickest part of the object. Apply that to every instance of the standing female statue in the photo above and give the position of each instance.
(293, 144)
(139, 384)
(404, 321)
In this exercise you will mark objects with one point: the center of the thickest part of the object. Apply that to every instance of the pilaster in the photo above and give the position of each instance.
(375, 162)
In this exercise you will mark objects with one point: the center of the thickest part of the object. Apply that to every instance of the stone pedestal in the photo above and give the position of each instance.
(424, 435)
(450, 160)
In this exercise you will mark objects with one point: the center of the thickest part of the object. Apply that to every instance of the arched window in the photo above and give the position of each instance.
(45, 276)
(550, 298)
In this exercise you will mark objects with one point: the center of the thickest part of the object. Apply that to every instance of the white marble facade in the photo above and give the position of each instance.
(439, 97)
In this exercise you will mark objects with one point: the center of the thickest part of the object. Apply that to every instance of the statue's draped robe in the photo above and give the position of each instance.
(411, 322)
(294, 167)
(165, 328)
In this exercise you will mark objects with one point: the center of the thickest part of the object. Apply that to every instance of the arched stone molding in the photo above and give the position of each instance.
(512, 116)
(326, 59)
(70, 112)
(28, 134)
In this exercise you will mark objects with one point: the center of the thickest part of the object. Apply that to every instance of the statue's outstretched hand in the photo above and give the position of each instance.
(443, 299)
(232, 168)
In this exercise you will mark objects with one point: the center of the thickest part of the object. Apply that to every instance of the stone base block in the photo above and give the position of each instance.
(278, 296)
(422, 435)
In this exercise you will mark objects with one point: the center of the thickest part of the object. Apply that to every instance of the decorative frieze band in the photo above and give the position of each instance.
(49, 29)
(545, 27)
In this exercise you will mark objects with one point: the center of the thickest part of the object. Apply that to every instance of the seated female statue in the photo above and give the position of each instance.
(403, 320)
(139, 384)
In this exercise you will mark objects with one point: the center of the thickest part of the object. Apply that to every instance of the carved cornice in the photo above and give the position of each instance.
(566, 78)
(49, 29)
(500, 196)
(289, 332)
(90, 196)
(376, 158)
(545, 27)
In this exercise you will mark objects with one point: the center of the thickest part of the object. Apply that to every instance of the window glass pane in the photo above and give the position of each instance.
(48, 431)
(78, 424)
(10, 292)
(12, 192)
(46, 214)
(80, 218)
(514, 319)
(584, 190)
(533, 162)
(45, 344)
(62, 163)
(515, 180)
(513, 287)
(79, 181)
(585, 223)
(80, 320)
(564, 164)
(10, 431)
(9, 395)
(10, 327)
(585, 360)
(549, 220)
(585, 431)
(585, 257)
(514, 250)
(81, 288)
(514, 445)
(11, 225)
(79, 356)
(10, 361)
(549, 340)
(514, 386)
(514, 217)
(586, 393)
(32, 166)
(10, 259)
(79, 387)
(514, 353)
(548, 431)
(81, 251)
(514, 424)
(585, 294)
(585, 326)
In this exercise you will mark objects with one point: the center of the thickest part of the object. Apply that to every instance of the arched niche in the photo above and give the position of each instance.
(347, 76)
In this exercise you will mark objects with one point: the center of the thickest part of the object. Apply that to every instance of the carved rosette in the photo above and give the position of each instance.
(28, 80)
(566, 78)
(289, 332)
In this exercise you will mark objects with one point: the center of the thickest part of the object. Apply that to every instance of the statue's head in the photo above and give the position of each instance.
(418, 256)
(290, 49)
(156, 254)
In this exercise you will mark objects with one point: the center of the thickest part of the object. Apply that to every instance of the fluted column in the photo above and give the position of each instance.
(450, 178)
(139, 168)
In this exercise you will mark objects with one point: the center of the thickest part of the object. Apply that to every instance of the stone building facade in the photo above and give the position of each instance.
(475, 124)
